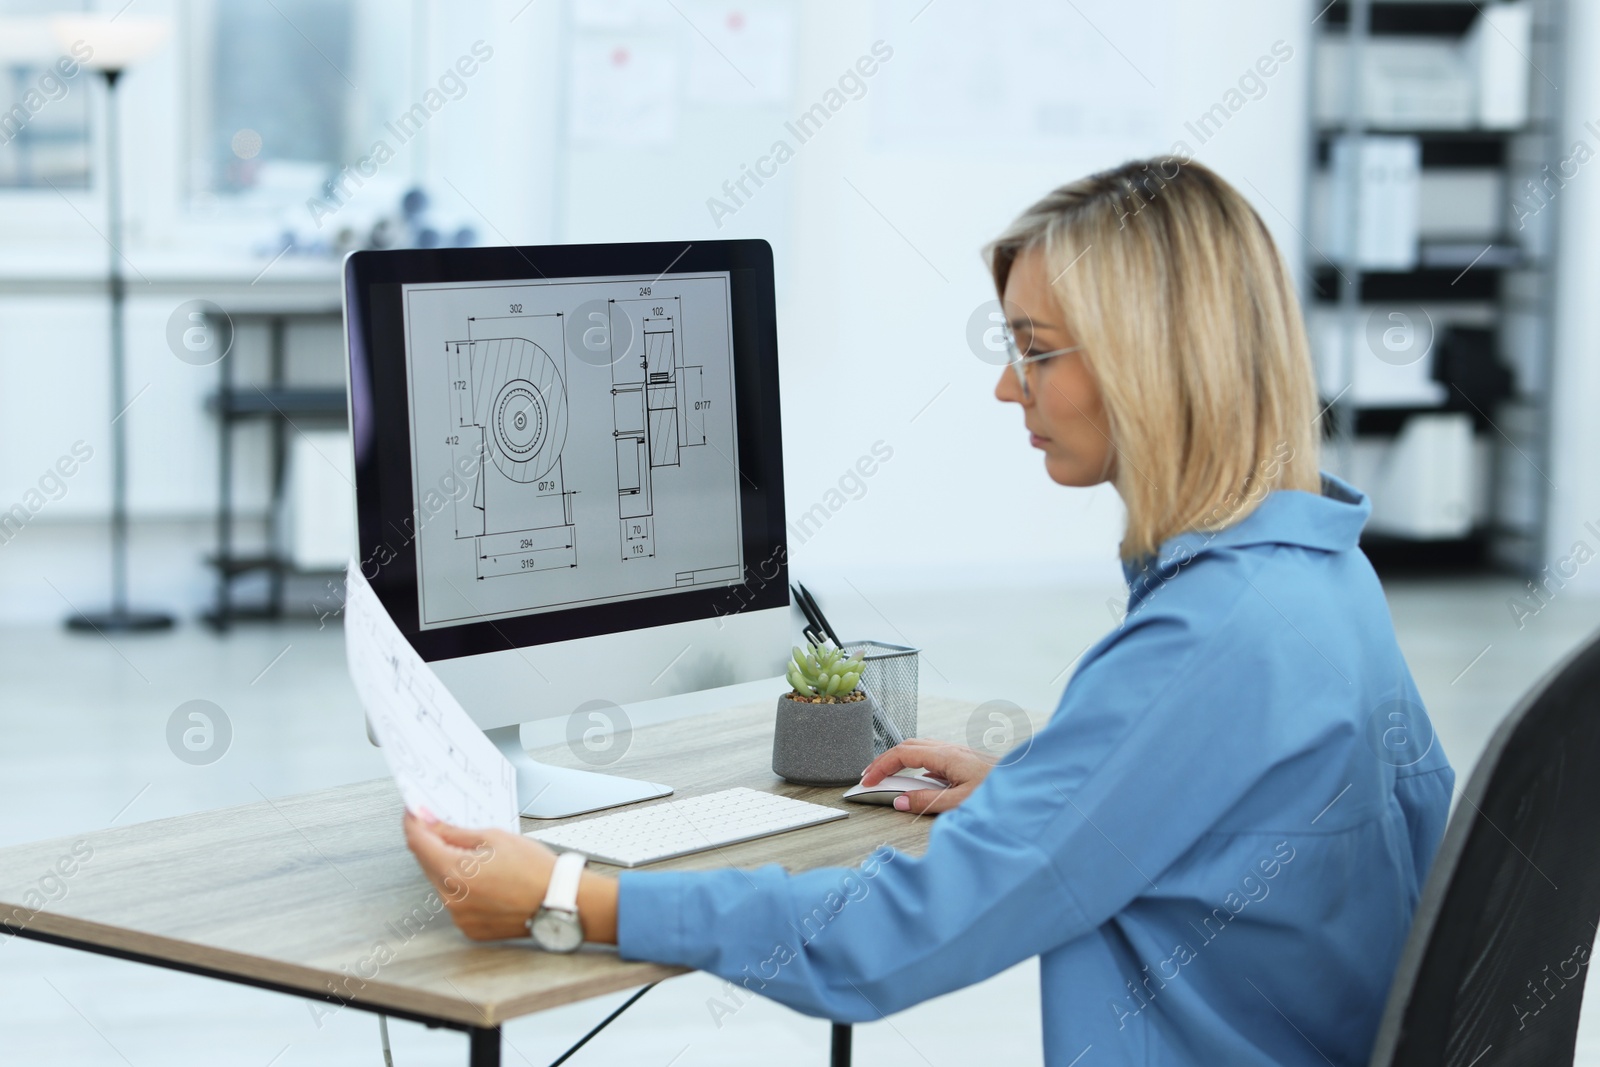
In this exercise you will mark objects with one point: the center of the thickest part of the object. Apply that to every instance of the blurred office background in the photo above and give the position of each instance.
(1427, 169)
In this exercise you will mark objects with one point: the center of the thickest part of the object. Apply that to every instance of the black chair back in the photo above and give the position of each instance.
(1492, 973)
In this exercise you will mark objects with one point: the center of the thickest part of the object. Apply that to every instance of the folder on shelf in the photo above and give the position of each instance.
(1497, 51)
(1389, 196)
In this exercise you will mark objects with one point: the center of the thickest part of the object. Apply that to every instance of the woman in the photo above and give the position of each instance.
(1216, 844)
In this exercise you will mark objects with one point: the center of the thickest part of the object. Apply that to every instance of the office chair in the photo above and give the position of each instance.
(1492, 973)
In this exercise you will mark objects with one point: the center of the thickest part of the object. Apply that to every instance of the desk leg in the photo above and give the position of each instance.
(483, 1048)
(840, 1056)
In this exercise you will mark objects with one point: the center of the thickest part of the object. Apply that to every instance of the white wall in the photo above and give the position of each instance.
(873, 322)
(877, 248)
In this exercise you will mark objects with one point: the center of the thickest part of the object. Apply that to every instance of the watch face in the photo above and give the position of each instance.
(556, 931)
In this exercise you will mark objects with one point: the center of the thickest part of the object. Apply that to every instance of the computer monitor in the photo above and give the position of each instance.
(569, 478)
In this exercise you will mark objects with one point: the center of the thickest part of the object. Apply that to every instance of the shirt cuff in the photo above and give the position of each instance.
(650, 906)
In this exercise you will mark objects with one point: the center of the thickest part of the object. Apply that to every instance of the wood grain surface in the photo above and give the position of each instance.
(318, 892)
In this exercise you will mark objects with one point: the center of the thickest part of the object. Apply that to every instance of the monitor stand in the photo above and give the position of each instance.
(547, 792)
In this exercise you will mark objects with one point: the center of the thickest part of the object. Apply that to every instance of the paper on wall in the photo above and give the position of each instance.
(440, 759)
(741, 54)
(1036, 74)
(624, 91)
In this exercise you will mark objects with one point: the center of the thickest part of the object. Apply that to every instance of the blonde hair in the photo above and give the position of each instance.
(1192, 331)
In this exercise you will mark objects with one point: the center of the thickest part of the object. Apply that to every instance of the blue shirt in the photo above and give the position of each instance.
(1215, 845)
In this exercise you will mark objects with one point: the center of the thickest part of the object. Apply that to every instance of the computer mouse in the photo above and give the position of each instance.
(885, 791)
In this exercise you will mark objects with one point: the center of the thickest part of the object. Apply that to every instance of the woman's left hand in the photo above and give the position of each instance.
(491, 880)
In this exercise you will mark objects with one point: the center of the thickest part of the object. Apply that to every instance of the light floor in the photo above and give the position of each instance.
(83, 726)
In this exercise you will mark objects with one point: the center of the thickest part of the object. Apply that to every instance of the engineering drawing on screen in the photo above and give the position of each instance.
(509, 399)
(659, 405)
(573, 442)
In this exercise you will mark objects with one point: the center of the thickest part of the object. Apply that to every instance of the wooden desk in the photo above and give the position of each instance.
(296, 894)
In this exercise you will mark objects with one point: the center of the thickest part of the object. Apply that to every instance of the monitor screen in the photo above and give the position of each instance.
(590, 423)
(558, 442)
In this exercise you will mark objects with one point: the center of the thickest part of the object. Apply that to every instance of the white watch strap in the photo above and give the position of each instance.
(563, 891)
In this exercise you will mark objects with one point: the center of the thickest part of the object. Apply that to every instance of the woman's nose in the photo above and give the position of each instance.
(1006, 390)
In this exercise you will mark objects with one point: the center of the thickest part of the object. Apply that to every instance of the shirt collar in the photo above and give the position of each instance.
(1329, 522)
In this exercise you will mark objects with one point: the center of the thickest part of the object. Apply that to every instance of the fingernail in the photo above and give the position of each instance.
(426, 816)
(902, 804)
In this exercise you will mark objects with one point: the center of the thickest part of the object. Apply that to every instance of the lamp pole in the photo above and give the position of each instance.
(119, 617)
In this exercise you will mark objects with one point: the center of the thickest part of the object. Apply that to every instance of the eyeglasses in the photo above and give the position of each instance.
(1019, 362)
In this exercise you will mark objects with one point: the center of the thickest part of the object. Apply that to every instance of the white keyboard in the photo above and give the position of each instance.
(679, 827)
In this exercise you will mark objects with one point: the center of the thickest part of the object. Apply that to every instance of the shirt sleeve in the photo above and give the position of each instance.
(853, 944)
(1128, 774)
(1424, 797)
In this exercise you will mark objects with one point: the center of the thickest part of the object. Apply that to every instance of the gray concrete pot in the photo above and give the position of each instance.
(822, 744)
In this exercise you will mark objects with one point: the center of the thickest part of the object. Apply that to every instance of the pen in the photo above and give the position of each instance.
(813, 610)
(819, 622)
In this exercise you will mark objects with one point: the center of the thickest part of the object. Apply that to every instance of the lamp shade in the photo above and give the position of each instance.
(116, 44)
(30, 41)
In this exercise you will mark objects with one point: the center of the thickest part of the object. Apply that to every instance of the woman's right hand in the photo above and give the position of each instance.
(964, 768)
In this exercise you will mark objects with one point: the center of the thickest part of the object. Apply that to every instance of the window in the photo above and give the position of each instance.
(282, 92)
(44, 105)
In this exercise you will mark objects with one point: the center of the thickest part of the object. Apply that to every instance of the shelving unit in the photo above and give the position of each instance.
(283, 408)
(1501, 285)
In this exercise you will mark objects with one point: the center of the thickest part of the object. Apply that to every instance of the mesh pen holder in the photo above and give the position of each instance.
(889, 675)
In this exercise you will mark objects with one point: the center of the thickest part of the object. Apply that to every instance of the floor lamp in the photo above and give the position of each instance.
(115, 45)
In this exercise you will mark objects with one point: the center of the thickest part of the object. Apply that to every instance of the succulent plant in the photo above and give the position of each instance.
(822, 671)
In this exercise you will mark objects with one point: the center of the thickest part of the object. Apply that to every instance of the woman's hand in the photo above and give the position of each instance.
(964, 768)
(491, 880)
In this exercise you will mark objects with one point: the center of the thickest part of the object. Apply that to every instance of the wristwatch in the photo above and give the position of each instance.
(555, 927)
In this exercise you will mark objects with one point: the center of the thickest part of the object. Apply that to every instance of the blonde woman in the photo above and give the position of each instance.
(1216, 844)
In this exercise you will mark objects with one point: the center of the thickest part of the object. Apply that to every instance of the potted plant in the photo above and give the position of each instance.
(823, 732)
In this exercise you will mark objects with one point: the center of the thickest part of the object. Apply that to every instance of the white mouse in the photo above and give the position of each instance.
(892, 786)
